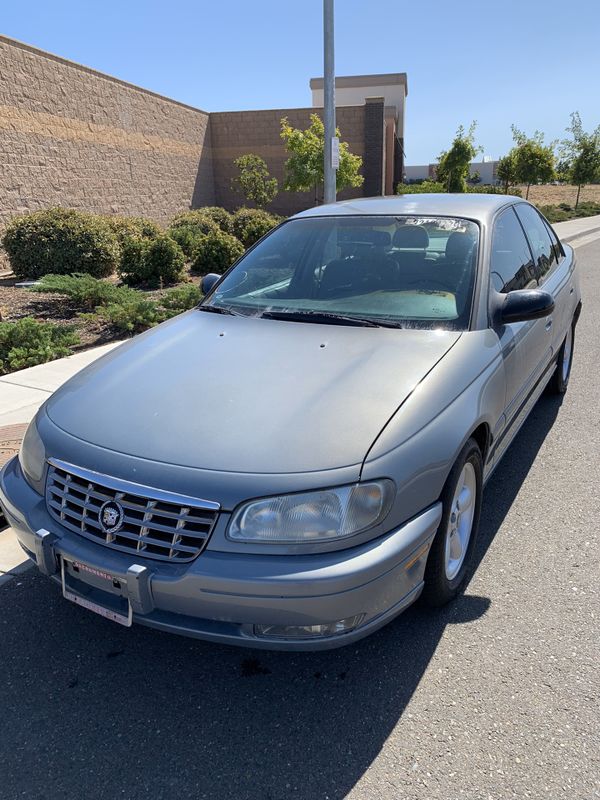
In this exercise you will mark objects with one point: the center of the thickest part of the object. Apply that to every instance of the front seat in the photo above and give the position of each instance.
(457, 267)
(409, 245)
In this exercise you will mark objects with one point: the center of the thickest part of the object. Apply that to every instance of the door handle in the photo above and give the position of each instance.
(571, 290)
(548, 323)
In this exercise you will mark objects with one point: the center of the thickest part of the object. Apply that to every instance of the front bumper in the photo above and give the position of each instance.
(222, 596)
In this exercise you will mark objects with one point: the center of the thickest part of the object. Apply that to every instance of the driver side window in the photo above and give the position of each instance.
(511, 264)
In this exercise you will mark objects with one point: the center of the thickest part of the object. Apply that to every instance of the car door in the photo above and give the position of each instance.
(553, 271)
(523, 345)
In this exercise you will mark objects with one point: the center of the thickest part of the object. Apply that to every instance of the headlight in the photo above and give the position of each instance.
(32, 456)
(313, 516)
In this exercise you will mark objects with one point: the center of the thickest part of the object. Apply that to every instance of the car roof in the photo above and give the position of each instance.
(476, 206)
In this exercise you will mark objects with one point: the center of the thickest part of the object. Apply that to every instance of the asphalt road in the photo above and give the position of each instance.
(493, 697)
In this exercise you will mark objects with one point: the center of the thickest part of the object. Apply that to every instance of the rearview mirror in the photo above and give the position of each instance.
(208, 281)
(522, 305)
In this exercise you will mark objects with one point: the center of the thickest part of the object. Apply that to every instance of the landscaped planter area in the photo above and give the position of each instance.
(81, 280)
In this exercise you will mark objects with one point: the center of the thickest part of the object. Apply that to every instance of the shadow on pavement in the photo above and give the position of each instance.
(93, 710)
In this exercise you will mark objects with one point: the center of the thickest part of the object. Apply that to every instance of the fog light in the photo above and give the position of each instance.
(309, 631)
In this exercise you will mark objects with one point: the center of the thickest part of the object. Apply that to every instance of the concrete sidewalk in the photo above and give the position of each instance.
(23, 392)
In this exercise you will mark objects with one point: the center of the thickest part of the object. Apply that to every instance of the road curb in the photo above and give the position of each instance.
(580, 234)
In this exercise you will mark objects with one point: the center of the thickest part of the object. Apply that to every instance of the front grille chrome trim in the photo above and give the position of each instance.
(129, 487)
(155, 523)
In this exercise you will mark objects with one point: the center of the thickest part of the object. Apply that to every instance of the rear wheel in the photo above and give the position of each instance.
(451, 554)
(560, 379)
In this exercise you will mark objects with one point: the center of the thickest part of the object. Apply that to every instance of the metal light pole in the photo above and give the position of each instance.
(330, 154)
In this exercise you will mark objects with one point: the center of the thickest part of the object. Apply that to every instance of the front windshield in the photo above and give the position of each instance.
(405, 270)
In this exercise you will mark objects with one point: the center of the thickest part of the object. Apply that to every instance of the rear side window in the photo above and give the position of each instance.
(544, 252)
(511, 265)
(558, 248)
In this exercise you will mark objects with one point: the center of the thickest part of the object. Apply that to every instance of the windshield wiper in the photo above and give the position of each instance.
(328, 319)
(219, 310)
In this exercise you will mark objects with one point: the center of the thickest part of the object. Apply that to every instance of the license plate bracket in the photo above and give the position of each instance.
(105, 604)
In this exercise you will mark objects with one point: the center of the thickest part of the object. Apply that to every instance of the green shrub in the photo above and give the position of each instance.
(587, 209)
(165, 262)
(216, 252)
(133, 258)
(26, 342)
(187, 239)
(85, 291)
(433, 187)
(188, 228)
(565, 212)
(250, 224)
(151, 262)
(493, 190)
(128, 310)
(126, 228)
(175, 301)
(426, 187)
(555, 213)
(219, 216)
(131, 312)
(198, 219)
(60, 241)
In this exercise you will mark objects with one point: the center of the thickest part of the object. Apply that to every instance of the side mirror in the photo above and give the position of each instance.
(522, 305)
(208, 281)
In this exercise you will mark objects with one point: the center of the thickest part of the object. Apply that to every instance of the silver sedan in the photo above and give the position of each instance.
(297, 460)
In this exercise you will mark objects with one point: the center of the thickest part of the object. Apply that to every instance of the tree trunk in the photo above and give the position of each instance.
(578, 191)
(527, 195)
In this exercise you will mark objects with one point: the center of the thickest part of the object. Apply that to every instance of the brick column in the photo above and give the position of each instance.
(374, 138)
(398, 161)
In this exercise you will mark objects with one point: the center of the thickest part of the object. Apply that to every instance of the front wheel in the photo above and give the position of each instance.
(560, 379)
(451, 553)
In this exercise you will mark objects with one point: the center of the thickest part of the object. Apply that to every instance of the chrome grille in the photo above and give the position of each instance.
(155, 524)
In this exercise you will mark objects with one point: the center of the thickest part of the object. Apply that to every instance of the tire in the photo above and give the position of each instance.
(560, 378)
(451, 554)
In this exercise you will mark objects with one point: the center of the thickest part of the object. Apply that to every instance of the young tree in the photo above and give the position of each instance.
(580, 155)
(534, 160)
(505, 170)
(304, 167)
(254, 180)
(453, 167)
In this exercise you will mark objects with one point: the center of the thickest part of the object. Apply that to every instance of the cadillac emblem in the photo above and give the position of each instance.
(110, 516)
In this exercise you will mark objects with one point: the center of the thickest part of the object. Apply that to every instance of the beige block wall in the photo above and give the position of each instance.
(74, 137)
(236, 133)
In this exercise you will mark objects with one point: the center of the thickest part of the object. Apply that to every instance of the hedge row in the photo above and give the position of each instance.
(565, 211)
(433, 187)
(64, 241)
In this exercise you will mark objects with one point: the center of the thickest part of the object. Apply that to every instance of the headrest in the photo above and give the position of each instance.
(411, 236)
(459, 246)
(365, 236)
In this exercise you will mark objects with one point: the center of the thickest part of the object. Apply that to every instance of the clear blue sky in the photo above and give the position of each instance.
(530, 62)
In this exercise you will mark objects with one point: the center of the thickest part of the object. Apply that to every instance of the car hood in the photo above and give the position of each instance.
(237, 394)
